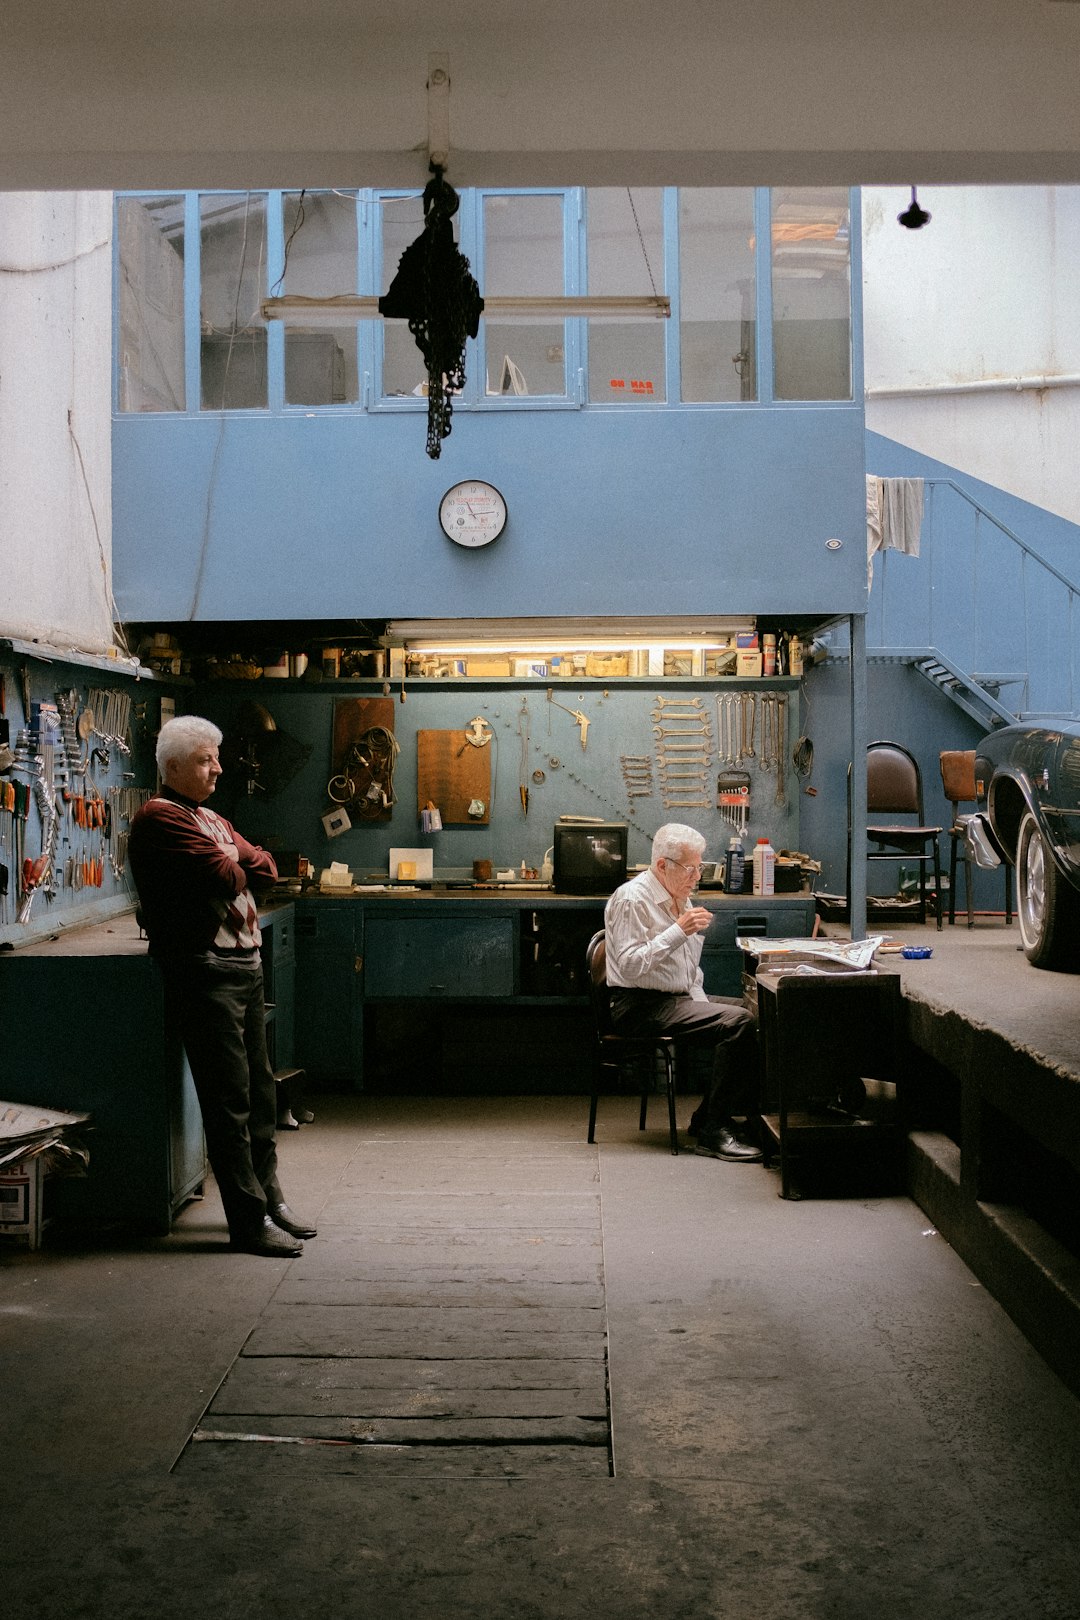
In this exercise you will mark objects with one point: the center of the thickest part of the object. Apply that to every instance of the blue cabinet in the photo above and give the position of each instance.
(500, 955)
(85, 1029)
(328, 1019)
(782, 916)
(278, 928)
(439, 956)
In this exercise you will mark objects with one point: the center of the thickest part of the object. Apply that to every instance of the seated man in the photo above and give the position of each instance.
(654, 941)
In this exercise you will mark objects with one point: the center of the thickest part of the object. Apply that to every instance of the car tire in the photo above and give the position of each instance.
(1047, 907)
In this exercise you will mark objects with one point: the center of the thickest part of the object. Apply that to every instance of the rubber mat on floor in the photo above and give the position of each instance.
(449, 1320)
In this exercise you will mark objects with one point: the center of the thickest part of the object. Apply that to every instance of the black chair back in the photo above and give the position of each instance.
(596, 965)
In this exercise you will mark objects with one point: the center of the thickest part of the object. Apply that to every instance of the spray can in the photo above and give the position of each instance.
(734, 866)
(764, 867)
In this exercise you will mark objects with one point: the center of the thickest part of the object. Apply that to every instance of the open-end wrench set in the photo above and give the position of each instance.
(51, 769)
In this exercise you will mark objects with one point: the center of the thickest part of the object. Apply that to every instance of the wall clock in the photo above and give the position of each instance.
(472, 513)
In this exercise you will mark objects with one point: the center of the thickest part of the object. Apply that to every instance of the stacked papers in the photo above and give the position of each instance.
(27, 1130)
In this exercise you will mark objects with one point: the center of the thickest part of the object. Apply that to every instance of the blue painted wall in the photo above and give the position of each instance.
(974, 594)
(673, 511)
(529, 732)
(903, 707)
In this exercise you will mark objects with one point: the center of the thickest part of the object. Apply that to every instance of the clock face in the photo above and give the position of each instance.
(472, 513)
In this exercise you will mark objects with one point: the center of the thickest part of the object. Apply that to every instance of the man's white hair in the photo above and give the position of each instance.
(674, 840)
(179, 738)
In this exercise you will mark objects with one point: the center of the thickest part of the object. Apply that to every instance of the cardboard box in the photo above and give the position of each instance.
(603, 665)
(748, 665)
(20, 1199)
(488, 669)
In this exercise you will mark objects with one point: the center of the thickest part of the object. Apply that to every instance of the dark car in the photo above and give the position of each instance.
(1028, 781)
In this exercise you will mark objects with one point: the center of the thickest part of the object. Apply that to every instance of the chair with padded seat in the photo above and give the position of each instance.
(612, 1051)
(958, 781)
(894, 789)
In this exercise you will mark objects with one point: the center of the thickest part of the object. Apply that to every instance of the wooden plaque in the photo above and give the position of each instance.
(450, 774)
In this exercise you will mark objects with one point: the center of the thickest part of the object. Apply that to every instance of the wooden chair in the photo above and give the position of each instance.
(894, 788)
(612, 1051)
(958, 781)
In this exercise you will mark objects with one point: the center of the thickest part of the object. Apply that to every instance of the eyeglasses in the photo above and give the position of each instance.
(688, 866)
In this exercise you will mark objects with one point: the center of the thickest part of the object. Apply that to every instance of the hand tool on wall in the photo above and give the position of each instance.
(580, 718)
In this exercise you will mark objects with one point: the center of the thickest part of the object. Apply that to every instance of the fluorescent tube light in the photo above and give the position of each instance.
(353, 306)
(559, 635)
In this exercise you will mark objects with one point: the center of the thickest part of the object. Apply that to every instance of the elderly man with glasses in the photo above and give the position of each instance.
(654, 936)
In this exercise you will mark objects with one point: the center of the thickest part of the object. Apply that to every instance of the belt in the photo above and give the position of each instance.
(235, 953)
(642, 990)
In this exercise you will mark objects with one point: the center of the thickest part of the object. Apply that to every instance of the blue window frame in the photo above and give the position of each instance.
(748, 327)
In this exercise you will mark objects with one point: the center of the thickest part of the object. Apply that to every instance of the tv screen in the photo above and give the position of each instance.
(589, 858)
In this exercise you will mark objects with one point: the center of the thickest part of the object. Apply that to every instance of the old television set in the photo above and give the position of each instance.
(589, 857)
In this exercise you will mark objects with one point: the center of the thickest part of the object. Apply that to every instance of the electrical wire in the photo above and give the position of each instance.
(802, 758)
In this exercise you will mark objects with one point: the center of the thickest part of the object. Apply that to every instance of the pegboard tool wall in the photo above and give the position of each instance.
(631, 768)
(93, 712)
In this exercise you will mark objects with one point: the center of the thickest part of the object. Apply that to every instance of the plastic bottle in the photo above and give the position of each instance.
(764, 867)
(734, 866)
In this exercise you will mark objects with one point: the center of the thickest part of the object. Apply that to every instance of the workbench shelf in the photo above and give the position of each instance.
(360, 960)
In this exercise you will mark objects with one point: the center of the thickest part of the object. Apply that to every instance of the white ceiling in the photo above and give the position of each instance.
(188, 93)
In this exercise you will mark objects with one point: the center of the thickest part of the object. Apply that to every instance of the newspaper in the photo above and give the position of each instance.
(855, 954)
(27, 1129)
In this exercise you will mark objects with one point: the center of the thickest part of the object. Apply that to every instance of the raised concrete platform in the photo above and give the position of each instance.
(996, 1049)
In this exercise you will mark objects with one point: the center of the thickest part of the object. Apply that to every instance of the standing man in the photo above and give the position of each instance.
(196, 879)
(654, 937)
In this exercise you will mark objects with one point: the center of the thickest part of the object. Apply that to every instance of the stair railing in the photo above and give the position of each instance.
(986, 600)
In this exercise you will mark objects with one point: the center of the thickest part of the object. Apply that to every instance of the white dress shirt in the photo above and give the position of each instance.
(646, 948)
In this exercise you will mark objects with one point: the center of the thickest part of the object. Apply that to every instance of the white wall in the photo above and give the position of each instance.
(56, 418)
(956, 313)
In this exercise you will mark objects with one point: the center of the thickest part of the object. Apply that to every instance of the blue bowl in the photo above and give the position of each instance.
(916, 953)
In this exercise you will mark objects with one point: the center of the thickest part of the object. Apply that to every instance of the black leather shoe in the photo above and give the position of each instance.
(724, 1144)
(281, 1215)
(268, 1239)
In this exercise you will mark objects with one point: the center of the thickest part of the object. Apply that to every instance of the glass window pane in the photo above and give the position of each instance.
(717, 295)
(625, 237)
(402, 220)
(320, 261)
(151, 303)
(811, 277)
(523, 255)
(233, 234)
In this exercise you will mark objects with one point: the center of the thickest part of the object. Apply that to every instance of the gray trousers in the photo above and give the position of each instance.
(720, 1023)
(218, 1006)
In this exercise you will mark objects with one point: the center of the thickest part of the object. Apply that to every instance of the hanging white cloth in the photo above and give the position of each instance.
(894, 515)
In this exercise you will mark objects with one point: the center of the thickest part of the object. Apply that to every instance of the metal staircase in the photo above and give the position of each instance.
(977, 695)
(979, 598)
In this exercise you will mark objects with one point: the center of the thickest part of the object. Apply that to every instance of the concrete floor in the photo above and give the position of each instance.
(817, 1412)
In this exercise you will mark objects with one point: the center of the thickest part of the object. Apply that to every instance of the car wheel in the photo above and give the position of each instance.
(1048, 908)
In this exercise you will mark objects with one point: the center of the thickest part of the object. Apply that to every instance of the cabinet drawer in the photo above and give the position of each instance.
(429, 956)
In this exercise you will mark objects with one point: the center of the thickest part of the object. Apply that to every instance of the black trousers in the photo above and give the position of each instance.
(721, 1023)
(218, 1007)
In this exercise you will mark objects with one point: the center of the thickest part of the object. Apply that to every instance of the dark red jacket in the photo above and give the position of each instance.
(182, 875)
